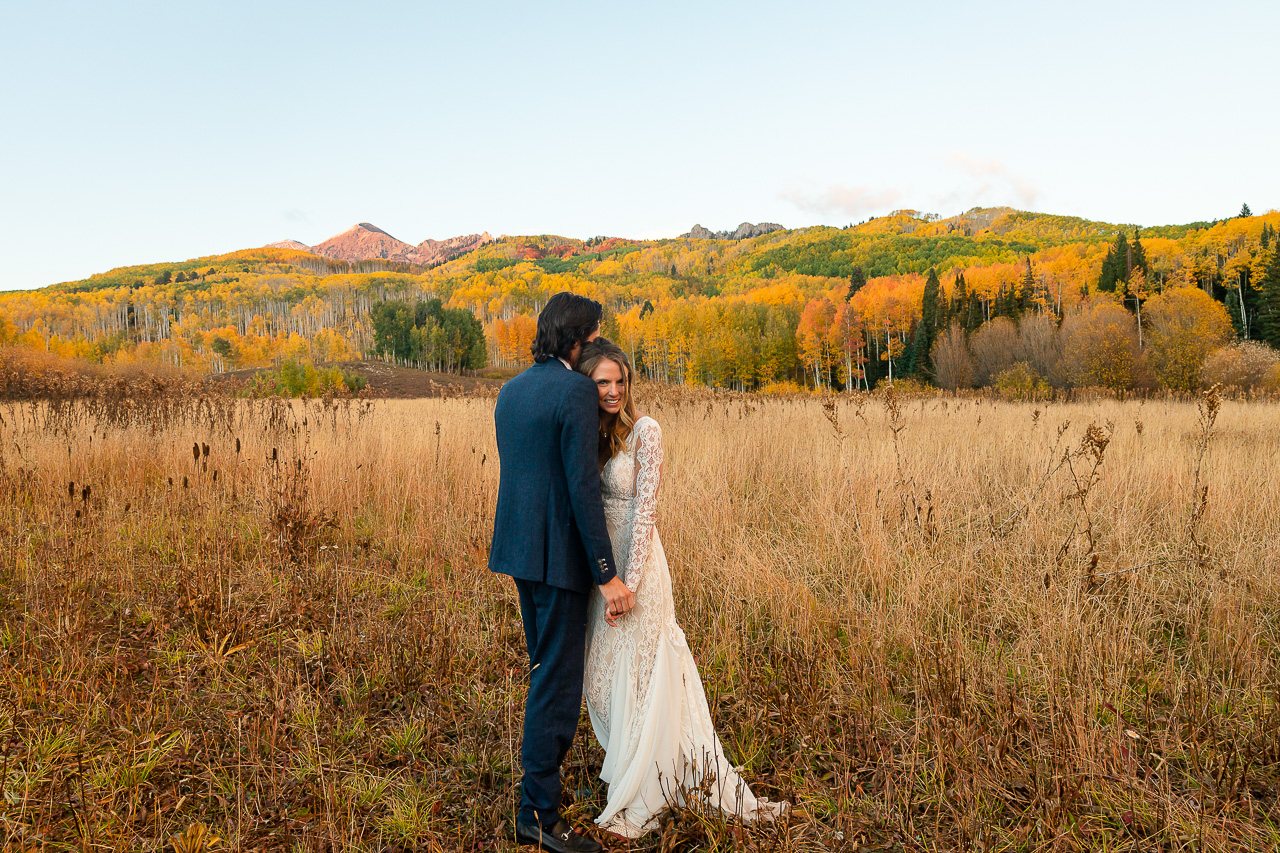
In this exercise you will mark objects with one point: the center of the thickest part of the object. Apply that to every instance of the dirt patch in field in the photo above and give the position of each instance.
(394, 382)
(389, 381)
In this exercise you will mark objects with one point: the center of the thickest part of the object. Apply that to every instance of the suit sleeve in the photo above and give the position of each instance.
(579, 425)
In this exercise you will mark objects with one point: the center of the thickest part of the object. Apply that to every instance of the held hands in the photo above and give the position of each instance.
(617, 600)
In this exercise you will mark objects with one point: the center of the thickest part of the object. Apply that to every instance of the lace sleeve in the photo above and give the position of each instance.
(648, 476)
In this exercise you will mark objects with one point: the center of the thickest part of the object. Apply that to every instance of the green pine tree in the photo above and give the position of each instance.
(1245, 212)
(857, 279)
(1139, 256)
(958, 305)
(1115, 264)
(1232, 304)
(1268, 311)
(973, 313)
(1027, 295)
(1002, 305)
(914, 364)
(932, 309)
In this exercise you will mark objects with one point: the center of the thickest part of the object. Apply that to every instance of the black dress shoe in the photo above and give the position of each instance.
(560, 838)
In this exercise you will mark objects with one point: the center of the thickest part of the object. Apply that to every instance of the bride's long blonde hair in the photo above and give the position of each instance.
(593, 353)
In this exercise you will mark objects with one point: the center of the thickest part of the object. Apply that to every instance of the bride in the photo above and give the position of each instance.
(643, 692)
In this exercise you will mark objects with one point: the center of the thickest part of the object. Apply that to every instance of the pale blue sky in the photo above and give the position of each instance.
(145, 132)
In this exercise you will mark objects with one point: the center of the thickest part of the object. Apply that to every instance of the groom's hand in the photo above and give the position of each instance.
(617, 600)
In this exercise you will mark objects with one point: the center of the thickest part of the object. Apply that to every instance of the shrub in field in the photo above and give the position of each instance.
(1040, 346)
(1021, 382)
(1184, 326)
(906, 386)
(35, 374)
(952, 363)
(1244, 365)
(298, 379)
(994, 347)
(1100, 348)
(781, 388)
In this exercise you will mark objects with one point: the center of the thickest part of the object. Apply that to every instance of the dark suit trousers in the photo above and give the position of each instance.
(555, 631)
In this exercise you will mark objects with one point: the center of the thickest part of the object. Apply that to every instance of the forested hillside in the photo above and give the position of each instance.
(993, 296)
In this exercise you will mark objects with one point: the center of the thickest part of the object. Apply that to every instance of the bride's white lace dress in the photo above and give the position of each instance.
(643, 692)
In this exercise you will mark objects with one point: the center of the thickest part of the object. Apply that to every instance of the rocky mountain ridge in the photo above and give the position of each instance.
(745, 230)
(366, 241)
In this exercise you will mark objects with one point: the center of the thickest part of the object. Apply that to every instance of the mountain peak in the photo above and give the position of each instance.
(289, 244)
(369, 226)
(366, 241)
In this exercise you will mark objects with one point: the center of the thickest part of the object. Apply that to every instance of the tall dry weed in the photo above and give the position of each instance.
(930, 623)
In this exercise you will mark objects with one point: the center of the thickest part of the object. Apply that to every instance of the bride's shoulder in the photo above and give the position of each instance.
(647, 428)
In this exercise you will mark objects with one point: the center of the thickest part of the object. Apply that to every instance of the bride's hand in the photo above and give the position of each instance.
(618, 600)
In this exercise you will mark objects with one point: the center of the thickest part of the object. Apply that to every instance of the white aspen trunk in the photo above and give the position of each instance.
(888, 347)
(1244, 322)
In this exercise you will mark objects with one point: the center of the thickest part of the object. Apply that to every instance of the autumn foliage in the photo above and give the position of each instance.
(1079, 302)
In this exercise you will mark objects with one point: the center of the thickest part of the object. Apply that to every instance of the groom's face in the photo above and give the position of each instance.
(577, 348)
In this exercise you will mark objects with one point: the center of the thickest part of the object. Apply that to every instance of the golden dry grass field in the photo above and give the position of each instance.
(931, 624)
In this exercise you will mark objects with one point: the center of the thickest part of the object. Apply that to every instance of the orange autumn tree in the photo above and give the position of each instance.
(512, 340)
(890, 307)
(813, 338)
(844, 337)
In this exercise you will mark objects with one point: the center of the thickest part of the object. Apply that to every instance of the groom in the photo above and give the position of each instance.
(549, 534)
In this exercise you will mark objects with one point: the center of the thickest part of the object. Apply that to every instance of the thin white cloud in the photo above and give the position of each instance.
(853, 202)
(296, 216)
(989, 180)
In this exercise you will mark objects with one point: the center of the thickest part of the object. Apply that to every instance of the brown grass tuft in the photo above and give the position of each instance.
(931, 624)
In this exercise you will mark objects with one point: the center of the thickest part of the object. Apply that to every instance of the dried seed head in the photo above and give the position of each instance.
(195, 450)
(237, 445)
(832, 414)
(185, 484)
(204, 450)
(71, 490)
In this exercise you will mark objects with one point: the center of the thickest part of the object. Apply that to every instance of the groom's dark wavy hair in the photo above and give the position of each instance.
(567, 319)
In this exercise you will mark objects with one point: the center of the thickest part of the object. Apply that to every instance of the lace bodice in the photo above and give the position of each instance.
(629, 485)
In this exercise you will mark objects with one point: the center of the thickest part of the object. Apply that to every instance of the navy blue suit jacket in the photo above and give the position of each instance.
(549, 525)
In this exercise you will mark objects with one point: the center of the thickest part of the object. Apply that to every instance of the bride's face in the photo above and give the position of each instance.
(611, 385)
